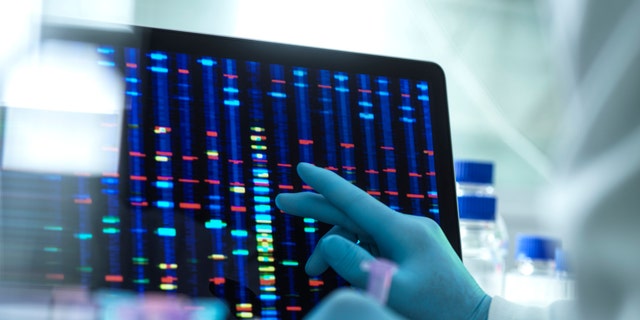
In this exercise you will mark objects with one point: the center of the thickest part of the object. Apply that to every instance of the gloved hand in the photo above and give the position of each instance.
(431, 282)
(347, 304)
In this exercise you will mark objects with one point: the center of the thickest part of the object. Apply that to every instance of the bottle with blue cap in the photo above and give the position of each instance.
(483, 236)
(533, 280)
(564, 276)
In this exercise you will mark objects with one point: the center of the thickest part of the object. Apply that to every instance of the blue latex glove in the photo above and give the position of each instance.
(431, 282)
(348, 304)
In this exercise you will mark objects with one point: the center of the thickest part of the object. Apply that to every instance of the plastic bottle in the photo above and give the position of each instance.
(532, 281)
(482, 233)
(564, 278)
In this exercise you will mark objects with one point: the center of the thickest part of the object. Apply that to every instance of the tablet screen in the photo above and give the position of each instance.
(212, 132)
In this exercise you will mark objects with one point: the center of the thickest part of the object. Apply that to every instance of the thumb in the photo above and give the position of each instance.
(345, 257)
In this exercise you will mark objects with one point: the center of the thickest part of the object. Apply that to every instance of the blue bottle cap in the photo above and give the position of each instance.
(536, 247)
(477, 208)
(473, 171)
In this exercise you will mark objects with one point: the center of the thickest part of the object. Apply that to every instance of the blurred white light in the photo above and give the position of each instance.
(116, 11)
(63, 112)
(361, 26)
(19, 21)
(66, 76)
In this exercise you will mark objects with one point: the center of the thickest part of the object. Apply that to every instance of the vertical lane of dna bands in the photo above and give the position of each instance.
(137, 174)
(111, 220)
(216, 220)
(163, 182)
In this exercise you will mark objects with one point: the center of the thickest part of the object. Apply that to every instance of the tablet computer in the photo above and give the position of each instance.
(213, 129)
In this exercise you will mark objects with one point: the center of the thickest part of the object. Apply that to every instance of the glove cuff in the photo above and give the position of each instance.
(481, 311)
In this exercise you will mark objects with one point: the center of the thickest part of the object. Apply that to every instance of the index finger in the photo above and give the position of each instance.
(370, 214)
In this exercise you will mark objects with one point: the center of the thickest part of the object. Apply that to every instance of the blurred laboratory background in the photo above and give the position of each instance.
(504, 84)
